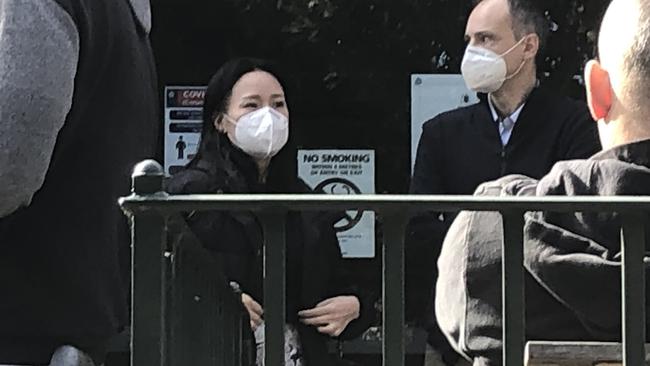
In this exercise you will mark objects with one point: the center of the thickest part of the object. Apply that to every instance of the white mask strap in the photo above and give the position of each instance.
(513, 46)
(523, 62)
(229, 119)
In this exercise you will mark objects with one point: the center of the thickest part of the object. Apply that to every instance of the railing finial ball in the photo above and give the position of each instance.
(147, 177)
(148, 167)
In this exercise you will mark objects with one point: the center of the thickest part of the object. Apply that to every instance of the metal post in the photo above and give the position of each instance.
(633, 289)
(393, 288)
(147, 243)
(513, 288)
(274, 224)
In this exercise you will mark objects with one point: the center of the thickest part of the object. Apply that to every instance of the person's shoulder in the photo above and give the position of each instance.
(550, 100)
(453, 117)
(191, 181)
(75, 9)
(598, 176)
(60, 15)
(67, 5)
(570, 177)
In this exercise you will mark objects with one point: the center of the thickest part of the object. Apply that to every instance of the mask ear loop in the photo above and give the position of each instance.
(523, 62)
(514, 46)
(228, 119)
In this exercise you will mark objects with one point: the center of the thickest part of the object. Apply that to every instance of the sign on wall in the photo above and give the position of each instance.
(344, 172)
(431, 95)
(183, 122)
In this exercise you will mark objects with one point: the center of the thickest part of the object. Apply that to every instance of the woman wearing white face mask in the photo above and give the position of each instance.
(245, 148)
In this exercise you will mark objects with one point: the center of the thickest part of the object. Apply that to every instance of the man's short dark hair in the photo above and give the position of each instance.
(528, 17)
(637, 60)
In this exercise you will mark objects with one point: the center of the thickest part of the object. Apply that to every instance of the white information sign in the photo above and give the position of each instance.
(431, 95)
(183, 123)
(344, 172)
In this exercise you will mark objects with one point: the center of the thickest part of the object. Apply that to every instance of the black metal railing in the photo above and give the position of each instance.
(149, 209)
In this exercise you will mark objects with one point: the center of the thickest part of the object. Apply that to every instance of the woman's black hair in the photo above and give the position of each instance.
(229, 167)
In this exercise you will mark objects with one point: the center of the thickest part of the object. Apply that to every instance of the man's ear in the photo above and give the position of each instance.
(599, 90)
(531, 46)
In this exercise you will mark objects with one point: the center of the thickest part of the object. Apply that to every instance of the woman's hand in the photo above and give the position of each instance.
(332, 315)
(255, 310)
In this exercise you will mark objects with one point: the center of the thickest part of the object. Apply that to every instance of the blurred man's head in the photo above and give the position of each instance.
(504, 38)
(618, 83)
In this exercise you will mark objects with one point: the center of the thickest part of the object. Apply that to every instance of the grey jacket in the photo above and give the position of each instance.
(37, 79)
(572, 261)
(78, 110)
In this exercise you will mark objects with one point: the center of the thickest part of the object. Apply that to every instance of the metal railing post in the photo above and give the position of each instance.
(147, 246)
(393, 288)
(513, 288)
(633, 289)
(274, 225)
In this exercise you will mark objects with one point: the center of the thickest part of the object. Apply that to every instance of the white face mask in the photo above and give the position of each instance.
(262, 133)
(485, 71)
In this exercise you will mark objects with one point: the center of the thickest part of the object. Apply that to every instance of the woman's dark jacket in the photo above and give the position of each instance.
(315, 269)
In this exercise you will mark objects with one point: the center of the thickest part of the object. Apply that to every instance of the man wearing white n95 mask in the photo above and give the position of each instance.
(517, 127)
(572, 261)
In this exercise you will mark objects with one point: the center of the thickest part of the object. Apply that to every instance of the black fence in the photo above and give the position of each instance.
(177, 289)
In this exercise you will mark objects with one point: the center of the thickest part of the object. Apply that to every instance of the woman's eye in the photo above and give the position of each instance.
(279, 104)
(250, 105)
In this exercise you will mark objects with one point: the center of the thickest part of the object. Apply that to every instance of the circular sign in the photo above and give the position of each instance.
(342, 186)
